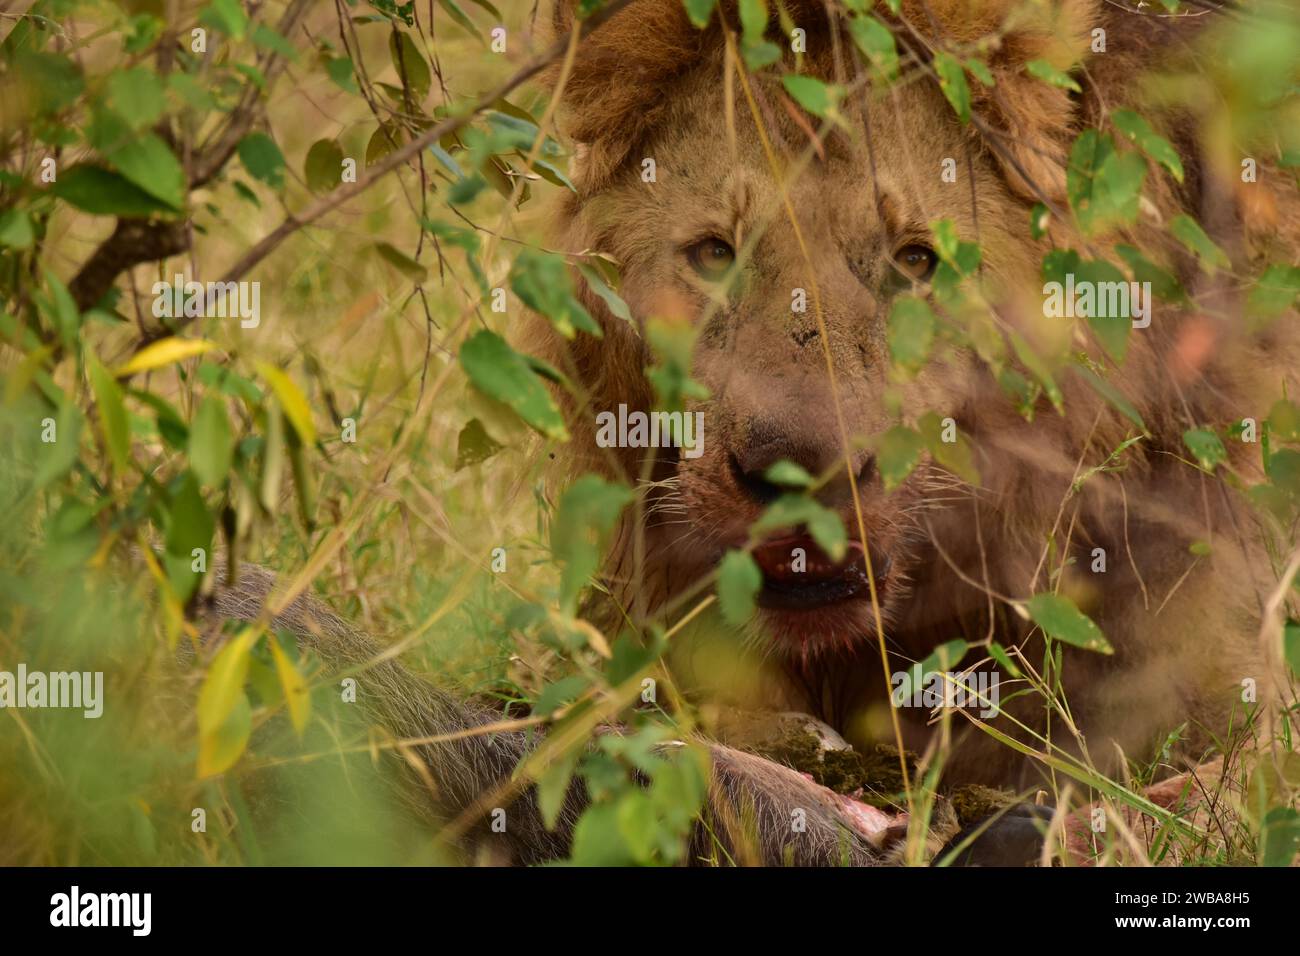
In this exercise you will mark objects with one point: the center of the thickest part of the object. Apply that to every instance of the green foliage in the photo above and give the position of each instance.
(739, 580)
(378, 431)
(952, 80)
(501, 373)
(1103, 184)
(1058, 616)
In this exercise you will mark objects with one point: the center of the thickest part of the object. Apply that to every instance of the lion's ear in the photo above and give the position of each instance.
(614, 93)
(1034, 122)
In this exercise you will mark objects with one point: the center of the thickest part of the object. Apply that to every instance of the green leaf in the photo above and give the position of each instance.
(1291, 646)
(789, 474)
(1275, 292)
(57, 457)
(911, 332)
(738, 582)
(812, 94)
(273, 456)
(559, 694)
(753, 19)
(1206, 447)
(105, 193)
(613, 301)
(341, 72)
(1003, 659)
(1284, 421)
(952, 80)
(956, 456)
(112, 415)
(16, 229)
(228, 17)
(942, 660)
(387, 137)
(211, 445)
(264, 36)
(189, 526)
(501, 373)
(1044, 71)
(598, 838)
(980, 70)
(262, 158)
(1140, 133)
(1111, 394)
(292, 401)
(1039, 368)
(461, 18)
(323, 167)
(898, 451)
(962, 257)
(1061, 619)
(1040, 217)
(412, 70)
(699, 11)
(148, 163)
(542, 282)
(584, 518)
(876, 42)
(1283, 470)
(1102, 185)
(1112, 330)
(791, 510)
(474, 445)
(190, 91)
(1163, 285)
(1279, 837)
(52, 80)
(757, 51)
(402, 262)
(1189, 232)
(136, 95)
(61, 310)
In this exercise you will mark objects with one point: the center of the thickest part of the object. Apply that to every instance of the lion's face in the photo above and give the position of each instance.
(710, 242)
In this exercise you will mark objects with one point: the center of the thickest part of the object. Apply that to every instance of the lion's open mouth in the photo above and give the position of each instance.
(798, 575)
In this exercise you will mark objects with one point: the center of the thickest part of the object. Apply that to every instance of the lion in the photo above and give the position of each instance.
(724, 202)
(750, 204)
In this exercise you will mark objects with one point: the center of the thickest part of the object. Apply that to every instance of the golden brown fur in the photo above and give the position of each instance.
(647, 84)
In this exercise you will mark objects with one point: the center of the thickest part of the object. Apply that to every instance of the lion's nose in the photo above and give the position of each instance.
(750, 462)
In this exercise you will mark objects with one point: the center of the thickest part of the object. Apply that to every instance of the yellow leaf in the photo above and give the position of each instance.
(164, 352)
(221, 746)
(22, 375)
(291, 400)
(295, 688)
(224, 684)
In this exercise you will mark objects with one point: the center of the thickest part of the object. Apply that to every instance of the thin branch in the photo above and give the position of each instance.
(398, 157)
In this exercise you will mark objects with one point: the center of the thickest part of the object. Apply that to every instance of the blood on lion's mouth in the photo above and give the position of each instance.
(800, 582)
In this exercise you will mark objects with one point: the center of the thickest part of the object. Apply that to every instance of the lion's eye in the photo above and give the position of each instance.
(711, 258)
(916, 262)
